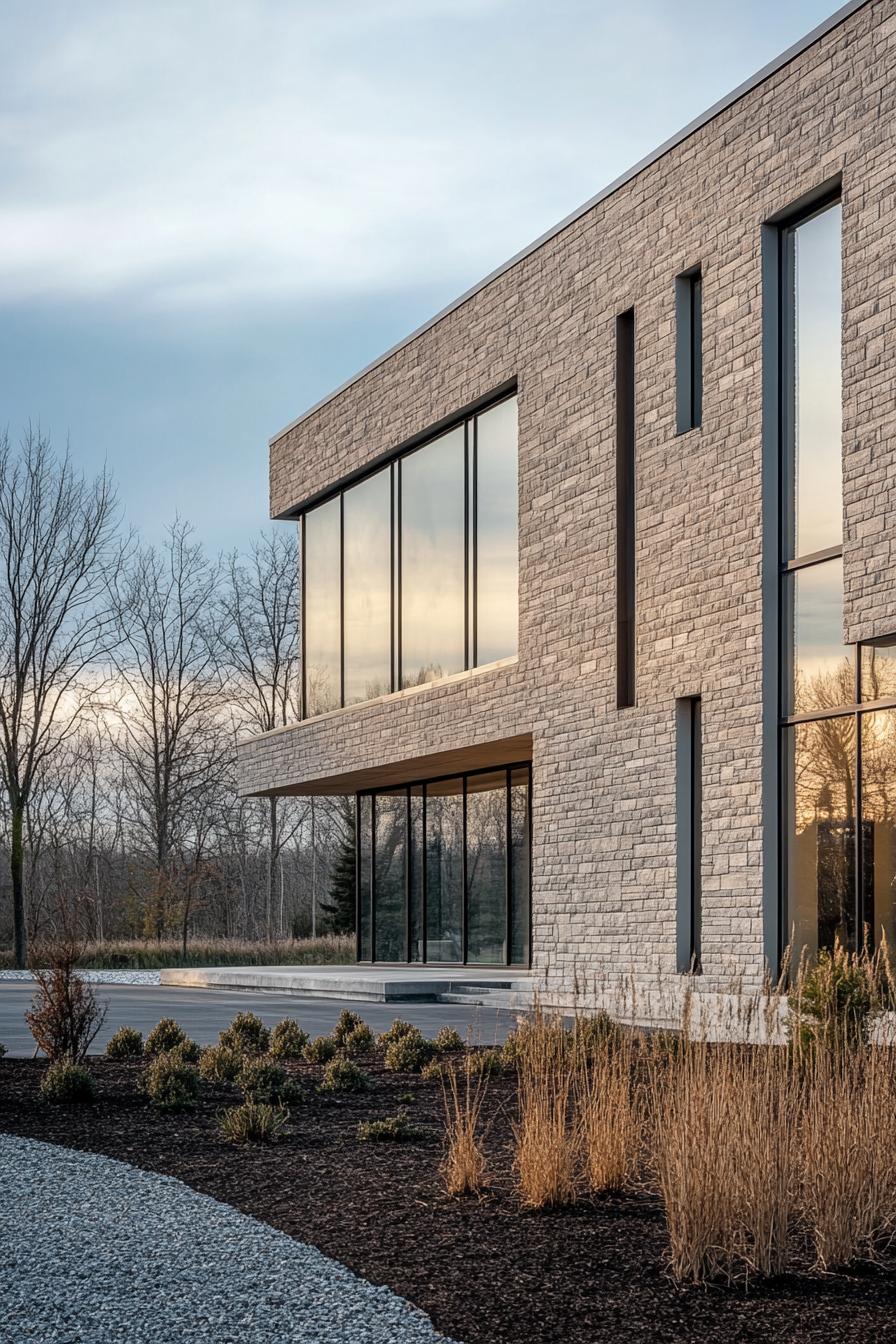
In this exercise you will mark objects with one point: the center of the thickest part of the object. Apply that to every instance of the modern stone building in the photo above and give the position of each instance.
(599, 566)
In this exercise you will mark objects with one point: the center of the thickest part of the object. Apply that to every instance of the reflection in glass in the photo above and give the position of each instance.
(444, 871)
(322, 584)
(879, 824)
(879, 669)
(821, 675)
(367, 557)
(390, 839)
(818, 442)
(415, 874)
(487, 867)
(365, 870)
(432, 560)
(497, 564)
(821, 834)
(519, 867)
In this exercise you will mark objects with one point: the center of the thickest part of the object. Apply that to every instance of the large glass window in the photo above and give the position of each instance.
(367, 595)
(818, 666)
(322, 595)
(497, 559)
(432, 574)
(412, 574)
(450, 881)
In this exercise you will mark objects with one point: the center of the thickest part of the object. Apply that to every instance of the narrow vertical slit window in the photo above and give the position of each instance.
(689, 825)
(689, 350)
(625, 509)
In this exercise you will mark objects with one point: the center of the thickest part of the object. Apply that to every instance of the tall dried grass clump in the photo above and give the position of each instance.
(545, 1158)
(609, 1113)
(463, 1166)
(848, 1152)
(724, 1135)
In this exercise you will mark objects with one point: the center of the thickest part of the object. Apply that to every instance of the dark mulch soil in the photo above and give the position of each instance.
(485, 1272)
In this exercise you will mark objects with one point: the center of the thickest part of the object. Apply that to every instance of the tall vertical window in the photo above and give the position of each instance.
(818, 673)
(689, 817)
(689, 350)
(444, 870)
(625, 509)
(412, 573)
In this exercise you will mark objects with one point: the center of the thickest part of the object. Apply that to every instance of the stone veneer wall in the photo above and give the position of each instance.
(604, 779)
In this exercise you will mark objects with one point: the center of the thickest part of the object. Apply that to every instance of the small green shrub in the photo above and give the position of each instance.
(187, 1051)
(127, 1043)
(346, 1023)
(394, 1129)
(409, 1053)
(832, 1003)
(343, 1075)
(170, 1084)
(66, 1084)
(433, 1072)
(394, 1033)
(406, 1098)
(252, 1122)
(219, 1064)
(164, 1036)
(487, 1063)
(288, 1040)
(592, 1032)
(320, 1051)
(448, 1040)
(359, 1041)
(246, 1034)
(265, 1082)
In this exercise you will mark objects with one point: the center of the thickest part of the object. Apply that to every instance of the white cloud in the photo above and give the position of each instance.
(232, 151)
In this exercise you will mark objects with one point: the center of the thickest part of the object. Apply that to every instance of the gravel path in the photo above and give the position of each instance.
(95, 1252)
(97, 977)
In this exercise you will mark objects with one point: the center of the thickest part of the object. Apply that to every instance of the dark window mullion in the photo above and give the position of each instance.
(342, 600)
(508, 869)
(463, 870)
(302, 620)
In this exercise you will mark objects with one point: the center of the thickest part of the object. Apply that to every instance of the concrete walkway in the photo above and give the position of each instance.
(375, 984)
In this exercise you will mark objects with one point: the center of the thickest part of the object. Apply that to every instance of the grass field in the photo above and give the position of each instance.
(149, 955)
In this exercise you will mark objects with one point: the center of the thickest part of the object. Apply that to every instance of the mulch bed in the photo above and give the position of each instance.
(485, 1271)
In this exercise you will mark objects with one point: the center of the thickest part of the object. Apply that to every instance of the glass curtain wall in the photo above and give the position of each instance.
(444, 870)
(838, 702)
(412, 574)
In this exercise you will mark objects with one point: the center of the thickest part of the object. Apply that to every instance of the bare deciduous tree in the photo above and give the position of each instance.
(59, 549)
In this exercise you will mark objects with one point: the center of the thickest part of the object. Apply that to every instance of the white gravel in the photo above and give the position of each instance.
(95, 1251)
(98, 977)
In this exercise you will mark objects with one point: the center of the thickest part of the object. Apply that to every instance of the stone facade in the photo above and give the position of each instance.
(604, 835)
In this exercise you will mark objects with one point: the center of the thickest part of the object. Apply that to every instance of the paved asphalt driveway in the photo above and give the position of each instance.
(204, 1012)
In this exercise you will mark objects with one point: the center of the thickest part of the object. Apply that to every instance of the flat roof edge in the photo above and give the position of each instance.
(772, 68)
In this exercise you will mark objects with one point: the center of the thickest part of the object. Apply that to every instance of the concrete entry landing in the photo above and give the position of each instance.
(377, 984)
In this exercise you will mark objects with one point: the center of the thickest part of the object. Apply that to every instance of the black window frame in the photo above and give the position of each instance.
(626, 514)
(689, 350)
(462, 775)
(468, 418)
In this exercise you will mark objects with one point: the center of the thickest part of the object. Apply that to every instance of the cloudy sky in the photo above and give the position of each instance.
(213, 211)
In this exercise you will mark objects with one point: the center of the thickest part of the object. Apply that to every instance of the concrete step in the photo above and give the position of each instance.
(515, 1000)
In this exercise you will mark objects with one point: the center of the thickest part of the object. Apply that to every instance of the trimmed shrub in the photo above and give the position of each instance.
(393, 1129)
(433, 1072)
(66, 1084)
(219, 1064)
(246, 1034)
(831, 1003)
(2, 1049)
(127, 1043)
(409, 1053)
(394, 1033)
(320, 1051)
(170, 1084)
(164, 1036)
(590, 1034)
(487, 1063)
(288, 1040)
(187, 1051)
(359, 1041)
(264, 1082)
(252, 1122)
(346, 1023)
(343, 1075)
(448, 1040)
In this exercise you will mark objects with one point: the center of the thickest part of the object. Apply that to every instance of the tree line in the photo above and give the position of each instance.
(128, 672)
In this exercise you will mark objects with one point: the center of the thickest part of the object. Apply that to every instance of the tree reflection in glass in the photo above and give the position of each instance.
(444, 870)
(367, 557)
(497, 549)
(322, 602)
(487, 868)
(390, 839)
